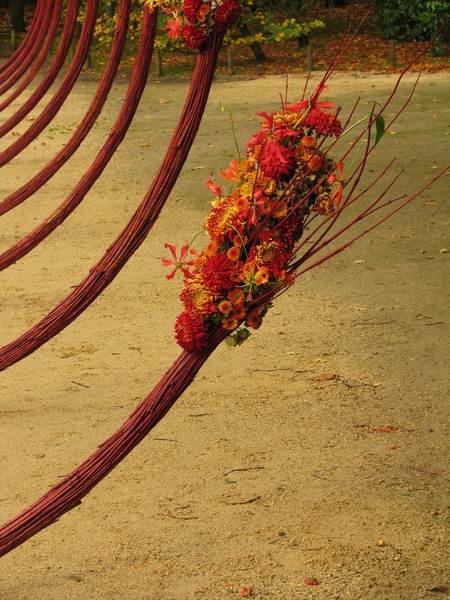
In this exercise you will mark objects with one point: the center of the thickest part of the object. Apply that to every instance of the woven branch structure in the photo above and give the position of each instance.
(87, 122)
(68, 493)
(49, 25)
(36, 33)
(64, 90)
(52, 31)
(135, 232)
(127, 112)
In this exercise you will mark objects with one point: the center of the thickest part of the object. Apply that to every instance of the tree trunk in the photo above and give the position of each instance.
(335, 3)
(303, 41)
(255, 46)
(17, 18)
(111, 9)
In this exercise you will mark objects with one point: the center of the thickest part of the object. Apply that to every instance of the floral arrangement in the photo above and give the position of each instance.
(194, 20)
(286, 184)
(286, 176)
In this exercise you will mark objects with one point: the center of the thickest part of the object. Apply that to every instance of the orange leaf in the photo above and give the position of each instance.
(325, 377)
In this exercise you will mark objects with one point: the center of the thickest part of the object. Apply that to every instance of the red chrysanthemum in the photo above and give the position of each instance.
(191, 334)
(218, 273)
(324, 123)
(290, 231)
(276, 160)
(190, 9)
(193, 38)
(226, 15)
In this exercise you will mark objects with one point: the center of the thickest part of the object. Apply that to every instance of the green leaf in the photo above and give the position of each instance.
(379, 125)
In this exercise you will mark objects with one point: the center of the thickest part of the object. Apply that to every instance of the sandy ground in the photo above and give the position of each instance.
(261, 475)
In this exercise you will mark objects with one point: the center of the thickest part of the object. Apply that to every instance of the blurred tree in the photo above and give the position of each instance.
(17, 15)
(412, 20)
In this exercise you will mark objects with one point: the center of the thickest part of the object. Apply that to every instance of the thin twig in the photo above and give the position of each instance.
(244, 501)
(422, 470)
(323, 478)
(270, 370)
(243, 469)
(176, 517)
(377, 323)
(86, 386)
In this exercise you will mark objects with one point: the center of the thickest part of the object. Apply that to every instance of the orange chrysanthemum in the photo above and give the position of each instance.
(203, 12)
(211, 248)
(238, 241)
(196, 297)
(309, 141)
(236, 296)
(220, 220)
(230, 323)
(225, 307)
(254, 320)
(316, 162)
(267, 251)
(234, 253)
(280, 211)
(239, 312)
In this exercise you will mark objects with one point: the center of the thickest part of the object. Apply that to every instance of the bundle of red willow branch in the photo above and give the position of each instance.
(52, 31)
(127, 112)
(50, 26)
(65, 88)
(68, 493)
(135, 232)
(29, 46)
(101, 94)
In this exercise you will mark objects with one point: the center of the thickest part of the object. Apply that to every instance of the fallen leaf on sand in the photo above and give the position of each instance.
(163, 101)
(144, 145)
(325, 377)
